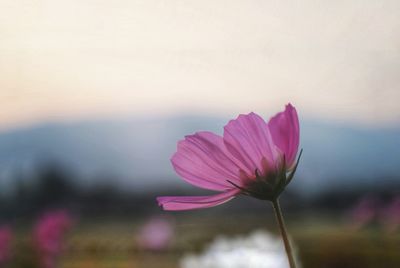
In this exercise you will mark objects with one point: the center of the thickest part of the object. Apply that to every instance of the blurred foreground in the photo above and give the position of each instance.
(108, 227)
(321, 241)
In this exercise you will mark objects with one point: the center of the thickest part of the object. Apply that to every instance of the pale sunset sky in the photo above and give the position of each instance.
(78, 59)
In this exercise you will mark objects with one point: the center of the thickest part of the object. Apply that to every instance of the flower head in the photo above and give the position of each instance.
(364, 211)
(49, 234)
(156, 234)
(6, 236)
(252, 157)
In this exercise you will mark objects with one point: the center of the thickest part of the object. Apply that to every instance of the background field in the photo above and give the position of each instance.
(320, 244)
(321, 241)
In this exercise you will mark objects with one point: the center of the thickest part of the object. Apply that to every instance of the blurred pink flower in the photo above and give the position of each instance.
(6, 236)
(364, 211)
(390, 216)
(49, 235)
(252, 157)
(156, 234)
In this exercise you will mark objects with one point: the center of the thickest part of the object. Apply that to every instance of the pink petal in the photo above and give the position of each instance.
(203, 160)
(284, 128)
(195, 202)
(249, 140)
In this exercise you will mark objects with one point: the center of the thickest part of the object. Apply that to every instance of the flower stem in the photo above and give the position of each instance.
(281, 223)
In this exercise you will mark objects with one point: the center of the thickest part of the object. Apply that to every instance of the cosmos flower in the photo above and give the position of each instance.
(364, 212)
(252, 157)
(6, 236)
(49, 235)
(156, 234)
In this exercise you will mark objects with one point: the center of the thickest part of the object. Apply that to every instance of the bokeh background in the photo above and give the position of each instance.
(94, 96)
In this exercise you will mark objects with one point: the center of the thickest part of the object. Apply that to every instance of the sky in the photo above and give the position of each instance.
(78, 59)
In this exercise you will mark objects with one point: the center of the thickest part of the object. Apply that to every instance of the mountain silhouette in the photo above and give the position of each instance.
(135, 152)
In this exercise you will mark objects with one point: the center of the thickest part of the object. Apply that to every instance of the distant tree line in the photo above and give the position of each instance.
(53, 186)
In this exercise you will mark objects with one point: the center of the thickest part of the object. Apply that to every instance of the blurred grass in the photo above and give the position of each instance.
(321, 242)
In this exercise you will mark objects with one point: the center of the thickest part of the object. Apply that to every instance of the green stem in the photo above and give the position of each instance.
(281, 223)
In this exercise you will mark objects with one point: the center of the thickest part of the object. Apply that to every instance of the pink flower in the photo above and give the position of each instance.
(156, 234)
(49, 235)
(364, 211)
(252, 157)
(6, 236)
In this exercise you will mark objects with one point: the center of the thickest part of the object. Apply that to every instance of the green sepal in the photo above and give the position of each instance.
(291, 175)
